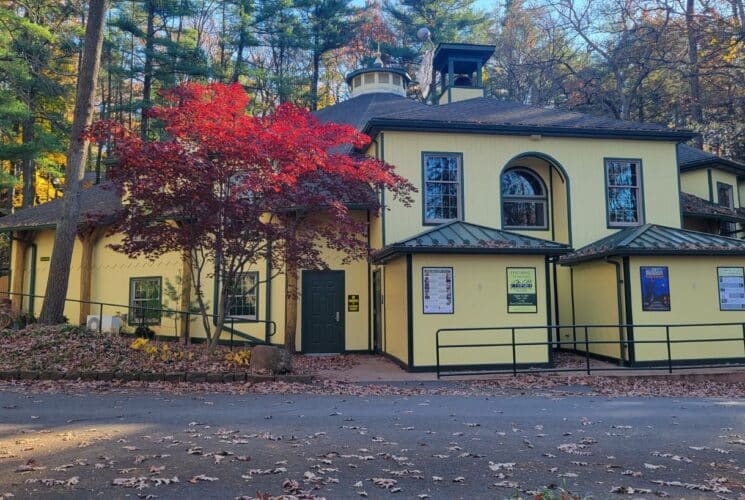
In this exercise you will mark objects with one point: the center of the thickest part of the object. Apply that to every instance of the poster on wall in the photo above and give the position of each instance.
(522, 295)
(731, 288)
(655, 288)
(437, 290)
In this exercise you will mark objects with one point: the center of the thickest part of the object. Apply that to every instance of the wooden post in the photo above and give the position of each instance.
(291, 308)
(88, 239)
(20, 246)
(185, 295)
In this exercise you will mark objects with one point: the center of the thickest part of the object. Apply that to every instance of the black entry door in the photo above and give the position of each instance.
(377, 312)
(323, 311)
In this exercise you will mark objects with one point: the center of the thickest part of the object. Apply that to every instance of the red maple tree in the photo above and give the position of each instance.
(222, 186)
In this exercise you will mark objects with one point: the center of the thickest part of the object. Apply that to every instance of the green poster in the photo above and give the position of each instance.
(522, 295)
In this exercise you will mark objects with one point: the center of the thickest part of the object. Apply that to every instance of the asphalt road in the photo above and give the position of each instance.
(441, 446)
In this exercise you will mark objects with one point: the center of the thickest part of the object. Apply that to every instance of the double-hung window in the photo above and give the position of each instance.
(145, 301)
(442, 187)
(243, 296)
(623, 186)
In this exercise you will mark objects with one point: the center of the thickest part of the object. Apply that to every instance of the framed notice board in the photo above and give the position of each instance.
(655, 281)
(731, 284)
(437, 290)
(522, 292)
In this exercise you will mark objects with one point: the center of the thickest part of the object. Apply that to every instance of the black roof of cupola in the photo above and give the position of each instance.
(457, 71)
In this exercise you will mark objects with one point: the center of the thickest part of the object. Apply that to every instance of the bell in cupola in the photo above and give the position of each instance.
(457, 70)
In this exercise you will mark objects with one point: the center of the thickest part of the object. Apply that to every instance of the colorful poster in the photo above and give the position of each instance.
(437, 290)
(731, 288)
(655, 288)
(522, 295)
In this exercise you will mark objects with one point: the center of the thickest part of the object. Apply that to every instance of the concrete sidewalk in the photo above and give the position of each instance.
(378, 369)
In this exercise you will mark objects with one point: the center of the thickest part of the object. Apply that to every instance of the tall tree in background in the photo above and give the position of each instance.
(449, 21)
(64, 238)
(37, 56)
(329, 24)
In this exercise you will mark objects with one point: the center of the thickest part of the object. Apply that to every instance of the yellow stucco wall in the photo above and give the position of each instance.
(694, 298)
(695, 182)
(480, 300)
(484, 157)
(595, 303)
(395, 339)
(112, 272)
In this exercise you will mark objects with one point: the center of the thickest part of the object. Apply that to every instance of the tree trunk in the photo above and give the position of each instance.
(693, 74)
(185, 296)
(147, 77)
(28, 165)
(314, 81)
(291, 308)
(64, 238)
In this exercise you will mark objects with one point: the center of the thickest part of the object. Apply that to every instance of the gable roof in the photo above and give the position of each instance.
(690, 158)
(693, 206)
(99, 204)
(651, 239)
(465, 238)
(374, 112)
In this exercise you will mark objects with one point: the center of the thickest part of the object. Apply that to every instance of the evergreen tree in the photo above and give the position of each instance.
(449, 21)
(329, 25)
(37, 57)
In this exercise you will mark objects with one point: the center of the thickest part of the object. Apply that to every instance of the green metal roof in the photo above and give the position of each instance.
(465, 238)
(651, 239)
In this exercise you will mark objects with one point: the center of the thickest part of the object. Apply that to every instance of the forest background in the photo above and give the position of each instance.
(679, 63)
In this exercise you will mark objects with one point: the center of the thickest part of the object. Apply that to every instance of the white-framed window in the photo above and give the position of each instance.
(623, 188)
(243, 296)
(145, 300)
(524, 200)
(442, 174)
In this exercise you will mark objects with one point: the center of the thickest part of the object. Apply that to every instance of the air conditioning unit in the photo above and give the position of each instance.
(109, 324)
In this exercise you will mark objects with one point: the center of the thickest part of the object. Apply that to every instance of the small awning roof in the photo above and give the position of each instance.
(651, 239)
(693, 206)
(464, 238)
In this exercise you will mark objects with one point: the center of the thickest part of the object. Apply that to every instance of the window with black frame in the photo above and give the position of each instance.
(623, 184)
(726, 198)
(145, 300)
(243, 296)
(442, 187)
(524, 200)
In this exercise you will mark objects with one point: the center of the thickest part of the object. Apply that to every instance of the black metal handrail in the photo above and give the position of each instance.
(161, 310)
(621, 343)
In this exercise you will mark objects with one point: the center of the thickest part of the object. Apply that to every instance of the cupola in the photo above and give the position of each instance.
(378, 78)
(457, 71)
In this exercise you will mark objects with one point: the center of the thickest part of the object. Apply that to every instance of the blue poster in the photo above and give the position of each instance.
(655, 289)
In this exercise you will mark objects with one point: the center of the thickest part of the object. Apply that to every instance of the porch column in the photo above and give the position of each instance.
(20, 247)
(88, 238)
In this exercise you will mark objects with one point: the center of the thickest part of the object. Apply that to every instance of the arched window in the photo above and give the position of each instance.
(523, 200)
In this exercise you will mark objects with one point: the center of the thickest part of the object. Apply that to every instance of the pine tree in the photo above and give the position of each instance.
(36, 52)
(329, 24)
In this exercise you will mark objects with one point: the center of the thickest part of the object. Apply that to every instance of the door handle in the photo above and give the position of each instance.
(337, 316)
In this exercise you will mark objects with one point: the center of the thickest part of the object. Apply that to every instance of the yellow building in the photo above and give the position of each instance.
(482, 264)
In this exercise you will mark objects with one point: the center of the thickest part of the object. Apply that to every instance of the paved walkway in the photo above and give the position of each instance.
(374, 368)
